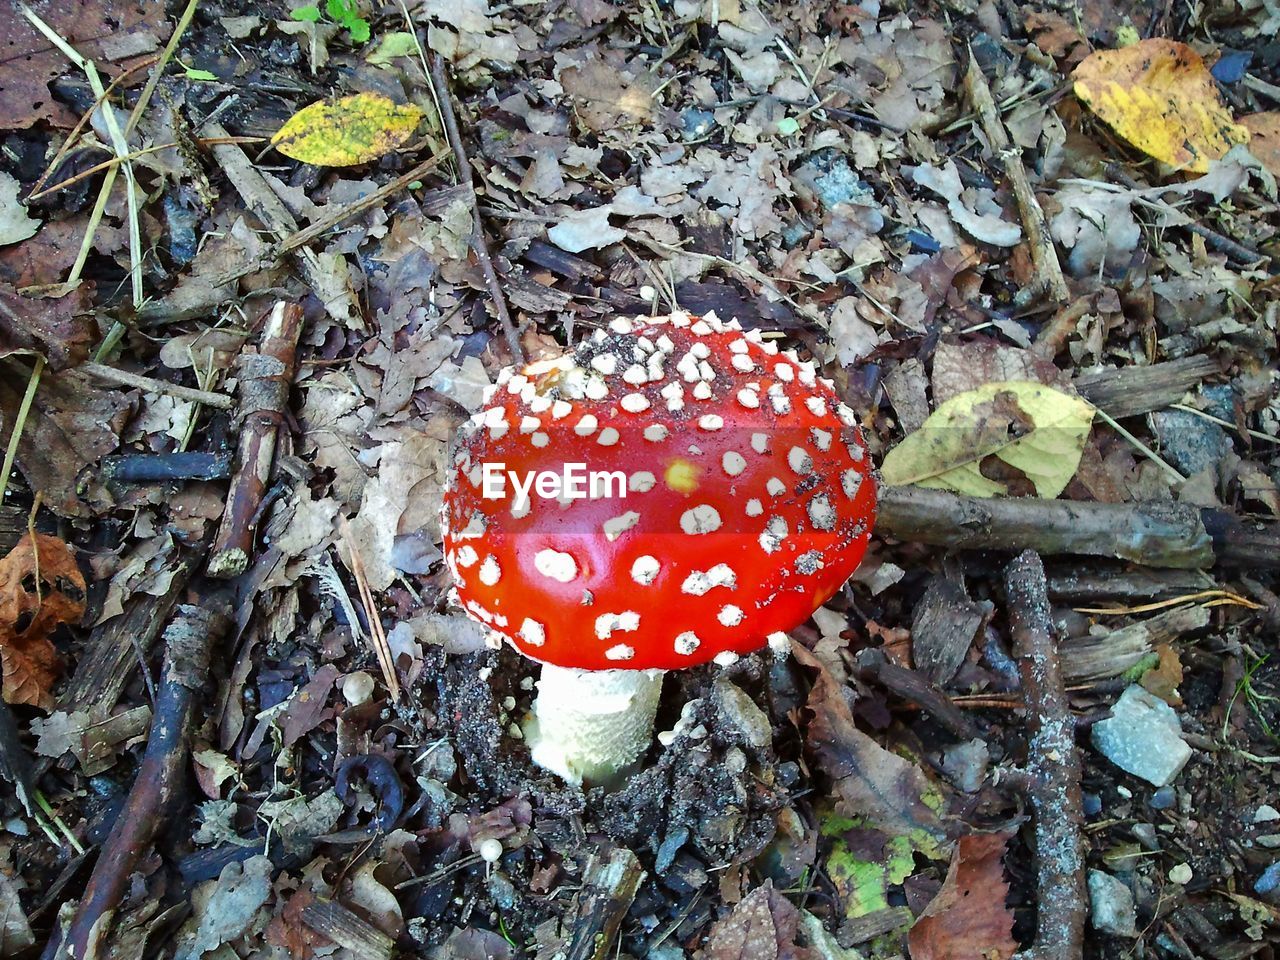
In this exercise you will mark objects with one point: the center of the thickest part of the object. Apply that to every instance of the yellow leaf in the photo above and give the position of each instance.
(1036, 429)
(1159, 95)
(352, 130)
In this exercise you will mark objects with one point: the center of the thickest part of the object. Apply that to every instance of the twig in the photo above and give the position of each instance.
(377, 636)
(1053, 765)
(1141, 447)
(912, 685)
(188, 643)
(161, 467)
(449, 121)
(1049, 278)
(19, 424)
(607, 894)
(265, 378)
(126, 379)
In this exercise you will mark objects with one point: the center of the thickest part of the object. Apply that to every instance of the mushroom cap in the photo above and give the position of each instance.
(749, 498)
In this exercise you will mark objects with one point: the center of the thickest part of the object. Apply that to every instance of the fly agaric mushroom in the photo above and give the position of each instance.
(673, 491)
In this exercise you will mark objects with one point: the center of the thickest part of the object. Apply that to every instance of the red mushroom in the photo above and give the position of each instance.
(748, 502)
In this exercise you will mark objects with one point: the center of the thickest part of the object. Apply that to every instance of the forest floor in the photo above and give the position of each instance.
(1033, 245)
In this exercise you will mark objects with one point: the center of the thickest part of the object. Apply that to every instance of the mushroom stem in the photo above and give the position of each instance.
(591, 725)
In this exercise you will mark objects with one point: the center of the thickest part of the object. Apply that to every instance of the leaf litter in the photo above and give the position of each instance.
(817, 171)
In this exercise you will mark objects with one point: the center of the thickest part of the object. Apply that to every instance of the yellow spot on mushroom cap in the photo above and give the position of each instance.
(682, 476)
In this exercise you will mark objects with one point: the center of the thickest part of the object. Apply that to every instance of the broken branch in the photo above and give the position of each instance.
(265, 378)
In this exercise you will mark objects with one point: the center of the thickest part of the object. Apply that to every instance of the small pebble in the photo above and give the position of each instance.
(1269, 882)
(1163, 799)
(1092, 804)
(1181, 874)
(1265, 814)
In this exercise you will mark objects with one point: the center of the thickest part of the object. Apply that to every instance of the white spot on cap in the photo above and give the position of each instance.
(699, 582)
(748, 398)
(705, 372)
(560, 409)
(617, 526)
(817, 406)
(498, 430)
(754, 507)
(556, 565)
(710, 421)
(799, 460)
(642, 481)
(620, 652)
(846, 415)
(779, 643)
(621, 325)
(739, 346)
(645, 569)
(733, 463)
(635, 375)
(665, 344)
(808, 375)
(730, 615)
(700, 350)
(529, 424)
(700, 328)
(517, 383)
(532, 633)
(520, 507)
(784, 372)
(490, 572)
(687, 643)
(821, 514)
(596, 389)
(674, 394)
(635, 403)
(856, 452)
(821, 438)
(726, 658)
(476, 526)
(608, 437)
(775, 487)
(540, 404)
(467, 555)
(809, 563)
(760, 442)
(702, 391)
(587, 425)
(851, 481)
(656, 432)
(775, 532)
(606, 363)
(540, 439)
(700, 519)
(609, 623)
(743, 363)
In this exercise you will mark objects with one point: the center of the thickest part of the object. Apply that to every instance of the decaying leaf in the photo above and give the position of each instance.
(40, 588)
(15, 223)
(871, 783)
(763, 926)
(1159, 95)
(60, 329)
(968, 918)
(1033, 428)
(606, 97)
(354, 129)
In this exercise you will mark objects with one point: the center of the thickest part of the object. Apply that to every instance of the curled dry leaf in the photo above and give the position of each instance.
(968, 918)
(1033, 428)
(351, 130)
(40, 588)
(1159, 95)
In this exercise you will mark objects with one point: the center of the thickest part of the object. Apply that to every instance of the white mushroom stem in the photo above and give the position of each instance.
(591, 725)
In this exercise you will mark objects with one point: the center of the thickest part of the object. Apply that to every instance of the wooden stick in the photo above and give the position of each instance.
(1049, 276)
(188, 642)
(449, 121)
(1053, 765)
(265, 378)
(124, 378)
(912, 685)
(607, 893)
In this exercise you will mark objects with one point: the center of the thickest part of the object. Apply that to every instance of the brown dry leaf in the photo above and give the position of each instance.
(968, 918)
(607, 96)
(870, 781)
(290, 932)
(40, 588)
(1159, 95)
(105, 31)
(960, 367)
(71, 426)
(1264, 142)
(1052, 33)
(59, 328)
(763, 926)
(1163, 679)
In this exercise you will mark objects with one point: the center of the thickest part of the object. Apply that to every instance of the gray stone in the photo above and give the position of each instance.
(1143, 737)
(1111, 906)
(1189, 442)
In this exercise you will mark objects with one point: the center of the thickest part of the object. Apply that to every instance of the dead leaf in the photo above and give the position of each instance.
(288, 931)
(15, 223)
(95, 741)
(960, 367)
(968, 918)
(1159, 95)
(763, 926)
(15, 932)
(354, 129)
(1035, 429)
(61, 329)
(1264, 140)
(40, 588)
(871, 782)
(607, 96)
